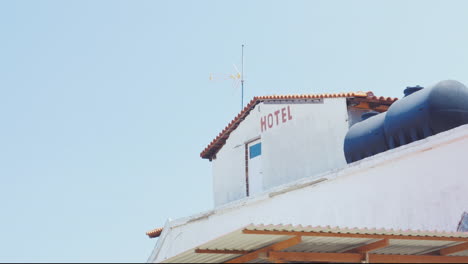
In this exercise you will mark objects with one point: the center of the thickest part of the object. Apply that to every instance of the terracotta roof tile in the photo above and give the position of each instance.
(155, 232)
(220, 140)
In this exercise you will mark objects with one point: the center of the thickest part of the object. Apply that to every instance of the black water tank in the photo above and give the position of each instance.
(369, 133)
(421, 113)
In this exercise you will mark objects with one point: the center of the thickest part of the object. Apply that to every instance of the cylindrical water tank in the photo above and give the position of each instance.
(421, 113)
(369, 133)
(426, 112)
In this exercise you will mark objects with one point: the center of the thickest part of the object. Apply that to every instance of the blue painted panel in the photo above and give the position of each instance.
(255, 150)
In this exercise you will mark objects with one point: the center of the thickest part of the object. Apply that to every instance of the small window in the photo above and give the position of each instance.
(255, 150)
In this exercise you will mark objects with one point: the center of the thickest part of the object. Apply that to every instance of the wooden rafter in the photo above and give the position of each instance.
(381, 108)
(218, 251)
(316, 257)
(370, 247)
(274, 253)
(354, 257)
(363, 105)
(350, 235)
(379, 258)
(263, 251)
(375, 101)
(453, 249)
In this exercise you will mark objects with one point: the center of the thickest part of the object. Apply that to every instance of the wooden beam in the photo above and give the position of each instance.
(381, 108)
(276, 261)
(368, 100)
(275, 247)
(363, 105)
(349, 235)
(453, 249)
(316, 257)
(354, 257)
(218, 251)
(416, 259)
(370, 247)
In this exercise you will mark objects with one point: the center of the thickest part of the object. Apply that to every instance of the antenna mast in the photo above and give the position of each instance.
(242, 78)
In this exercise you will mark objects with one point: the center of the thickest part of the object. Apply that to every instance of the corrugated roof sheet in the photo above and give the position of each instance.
(216, 144)
(401, 242)
(345, 230)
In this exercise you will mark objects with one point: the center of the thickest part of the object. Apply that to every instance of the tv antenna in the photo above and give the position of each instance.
(242, 78)
(237, 77)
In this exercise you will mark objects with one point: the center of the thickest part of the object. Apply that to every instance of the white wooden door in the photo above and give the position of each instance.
(254, 163)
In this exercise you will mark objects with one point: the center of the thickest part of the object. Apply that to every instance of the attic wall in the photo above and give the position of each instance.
(229, 165)
(304, 139)
(311, 143)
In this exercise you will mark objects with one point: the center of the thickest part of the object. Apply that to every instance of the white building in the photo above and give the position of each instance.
(279, 139)
(281, 180)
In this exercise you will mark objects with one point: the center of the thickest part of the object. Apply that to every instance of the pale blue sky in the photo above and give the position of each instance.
(106, 105)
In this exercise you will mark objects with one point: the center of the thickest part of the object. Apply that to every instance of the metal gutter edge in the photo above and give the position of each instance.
(296, 187)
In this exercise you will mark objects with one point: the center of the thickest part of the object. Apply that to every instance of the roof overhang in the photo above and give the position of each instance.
(370, 191)
(284, 243)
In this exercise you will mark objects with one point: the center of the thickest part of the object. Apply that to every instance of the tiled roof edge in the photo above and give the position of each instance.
(155, 232)
(216, 144)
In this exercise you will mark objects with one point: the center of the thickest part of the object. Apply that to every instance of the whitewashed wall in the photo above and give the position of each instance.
(422, 185)
(229, 165)
(312, 142)
(304, 140)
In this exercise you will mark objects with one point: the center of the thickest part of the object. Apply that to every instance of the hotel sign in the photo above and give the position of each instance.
(276, 118)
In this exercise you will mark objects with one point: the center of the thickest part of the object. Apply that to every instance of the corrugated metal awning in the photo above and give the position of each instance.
(283, 243)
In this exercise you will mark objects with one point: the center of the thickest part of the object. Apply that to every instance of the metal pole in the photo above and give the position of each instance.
(242, 78)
